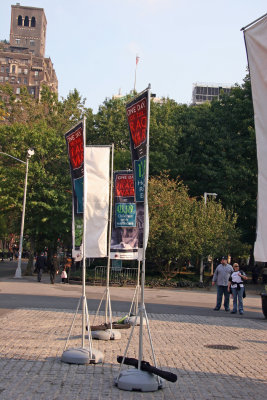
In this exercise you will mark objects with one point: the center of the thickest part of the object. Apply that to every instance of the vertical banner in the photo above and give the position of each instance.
(256, 44)
(137, 117)
(97, 190)
(124, 237)
(75, 148)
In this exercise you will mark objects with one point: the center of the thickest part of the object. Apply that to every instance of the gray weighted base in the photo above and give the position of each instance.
(82, 356)
(135, 379)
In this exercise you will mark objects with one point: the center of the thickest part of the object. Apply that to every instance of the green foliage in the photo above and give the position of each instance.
(183, 228)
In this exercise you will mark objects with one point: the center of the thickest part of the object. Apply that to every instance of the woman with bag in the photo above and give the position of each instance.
(236, 287)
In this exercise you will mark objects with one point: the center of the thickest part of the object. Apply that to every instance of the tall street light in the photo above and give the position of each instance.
(206, 194)
(30, 152)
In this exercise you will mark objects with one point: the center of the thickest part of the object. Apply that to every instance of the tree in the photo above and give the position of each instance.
(183, 228)
(41, 126)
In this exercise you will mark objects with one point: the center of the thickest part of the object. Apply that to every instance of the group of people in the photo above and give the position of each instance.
(41, 263)
(229, 280)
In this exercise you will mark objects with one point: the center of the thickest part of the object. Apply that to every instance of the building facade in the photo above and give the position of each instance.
(203, 92)
(22, 60)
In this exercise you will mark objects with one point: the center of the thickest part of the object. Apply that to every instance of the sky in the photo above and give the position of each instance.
(93, 44)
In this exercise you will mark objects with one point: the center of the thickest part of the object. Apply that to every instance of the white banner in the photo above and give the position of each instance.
(96, 191)
(256, 43)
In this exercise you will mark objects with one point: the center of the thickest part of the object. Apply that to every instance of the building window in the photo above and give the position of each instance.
(19, 70)
(32, 91)
(19, 80)
(36, 73)
(18, 90)
(25, 71)
(32, 43)
(33, 22)
(1, 79)
(25, 81)
(13, 69)
(6, 78)
(20, 20)
(17, 41)
(26, 21)
(2, 68)
(7, 70)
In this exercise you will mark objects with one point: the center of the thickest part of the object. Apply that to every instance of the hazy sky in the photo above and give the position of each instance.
(93, 44)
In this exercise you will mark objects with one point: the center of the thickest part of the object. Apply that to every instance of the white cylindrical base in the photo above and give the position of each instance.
(131, 320)
(108, 334)
(82, 356)
(136, 379)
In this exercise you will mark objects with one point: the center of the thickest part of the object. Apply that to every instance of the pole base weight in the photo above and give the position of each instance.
(82, 356)
(108, 334)
(135, 379)
(131, 320)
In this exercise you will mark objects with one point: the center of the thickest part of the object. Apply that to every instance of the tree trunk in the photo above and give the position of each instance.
(201, 270)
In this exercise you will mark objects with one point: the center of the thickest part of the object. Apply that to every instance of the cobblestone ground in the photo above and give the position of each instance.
(32, 342)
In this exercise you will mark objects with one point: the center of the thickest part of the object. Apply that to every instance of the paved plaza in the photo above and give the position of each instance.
(32, 341)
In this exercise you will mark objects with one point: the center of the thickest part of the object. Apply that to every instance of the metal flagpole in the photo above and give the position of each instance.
(84, 258)
(138, 379)
(136, 62)
(83, 355)
(109, 237)
(142, 306)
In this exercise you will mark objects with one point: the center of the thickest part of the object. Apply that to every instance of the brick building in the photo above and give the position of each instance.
(22, 60)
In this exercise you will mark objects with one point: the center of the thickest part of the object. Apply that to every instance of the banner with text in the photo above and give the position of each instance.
(137, 117)
(256, 45)
(124, 237)
(75, 149)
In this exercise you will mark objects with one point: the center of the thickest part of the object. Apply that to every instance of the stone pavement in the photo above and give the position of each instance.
(32, 341)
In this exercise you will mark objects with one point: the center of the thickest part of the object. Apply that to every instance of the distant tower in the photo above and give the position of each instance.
(23, 61)
(28, 29)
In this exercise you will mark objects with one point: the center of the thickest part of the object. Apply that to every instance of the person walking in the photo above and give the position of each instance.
(53, 268)
(40, 266)
(237, 288)
(221, 278)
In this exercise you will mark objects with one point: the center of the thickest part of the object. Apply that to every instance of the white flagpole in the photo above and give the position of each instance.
(136, 62)
(109, 235)
(142, 306)
(83, 245)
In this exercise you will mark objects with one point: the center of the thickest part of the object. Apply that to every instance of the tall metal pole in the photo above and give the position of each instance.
(83, 246)
(136, 62)
(18, 270)
(109, 234)
(142, 307)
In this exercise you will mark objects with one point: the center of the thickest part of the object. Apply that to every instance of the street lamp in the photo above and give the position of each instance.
(208, 194)
(30, 152)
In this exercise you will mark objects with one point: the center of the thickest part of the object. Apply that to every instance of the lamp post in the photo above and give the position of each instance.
(206, 194)
(30, 152)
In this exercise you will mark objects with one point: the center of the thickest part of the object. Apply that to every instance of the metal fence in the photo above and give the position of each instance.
(117, 275)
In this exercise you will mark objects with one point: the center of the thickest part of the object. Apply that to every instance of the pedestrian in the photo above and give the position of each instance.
(53, 268)
(40, 266)
(64, 275)
(221, 278)
(236, 287)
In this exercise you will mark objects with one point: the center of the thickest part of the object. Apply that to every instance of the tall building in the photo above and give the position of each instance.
(204, 92)
(22, 60)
